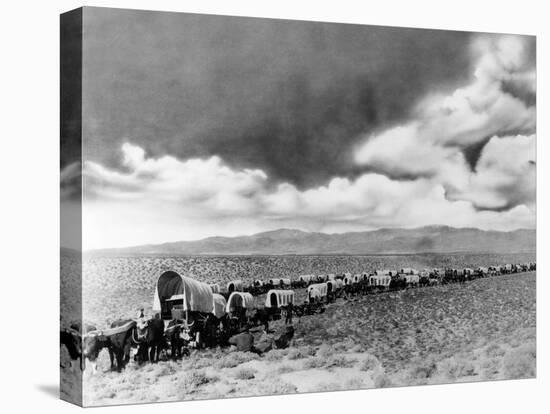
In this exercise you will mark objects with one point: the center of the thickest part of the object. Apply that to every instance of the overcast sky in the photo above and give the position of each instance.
(195, 126)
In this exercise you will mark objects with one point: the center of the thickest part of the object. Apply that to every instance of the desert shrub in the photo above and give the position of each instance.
(494, 350)
(369, 363)
(340, 361)
(521, 362)
(381, 380)
(346, 345)
(234, 359)
(452, 368)
(273, 386)
(296, 353)
(199, 363)
(490, 367)
(325, 351)
(357, 348)
(422, 369)
(329, 386)
(314, 362)
(165, 369)
(245, 373)
(276, 354)
(284, 369)
(192, 381)
(354, 383)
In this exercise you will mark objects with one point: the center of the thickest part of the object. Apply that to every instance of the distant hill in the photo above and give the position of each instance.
(430, 239)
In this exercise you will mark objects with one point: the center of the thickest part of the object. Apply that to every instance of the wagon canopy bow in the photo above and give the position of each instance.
(197, 296)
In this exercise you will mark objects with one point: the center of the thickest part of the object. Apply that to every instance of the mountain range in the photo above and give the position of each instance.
(429, 239)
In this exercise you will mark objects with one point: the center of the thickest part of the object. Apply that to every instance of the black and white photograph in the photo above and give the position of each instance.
(258, 206)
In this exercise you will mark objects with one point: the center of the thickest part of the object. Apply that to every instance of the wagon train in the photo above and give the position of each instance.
(193, 314)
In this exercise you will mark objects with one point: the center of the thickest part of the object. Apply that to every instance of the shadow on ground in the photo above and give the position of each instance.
(51, 390)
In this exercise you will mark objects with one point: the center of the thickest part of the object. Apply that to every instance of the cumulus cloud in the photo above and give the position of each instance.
(497, 103)
(153, 200)
(505, 174)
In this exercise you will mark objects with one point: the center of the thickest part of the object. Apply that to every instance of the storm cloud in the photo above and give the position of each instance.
(288, 97)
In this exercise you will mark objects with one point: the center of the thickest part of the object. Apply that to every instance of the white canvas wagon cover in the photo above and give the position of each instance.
(322, 278)
(322, 288)
(314, 295)
(380, 280)
(235, 286)
(239, 300)
(218, 306)
(197, 296)
(335, 284)
(385, 272)
(412, 278)
(278, 298)
(305, 278)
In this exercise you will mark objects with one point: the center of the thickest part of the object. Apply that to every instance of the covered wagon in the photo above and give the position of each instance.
(275, 282)
(179, 297)
(317, 292)
(321, 278)
(380, 281)
(482, 271)
(305, 279)
(238, 301)
(176, 295)
(385, 272)
(334, 286)
(411, 280)
(280, 283)
(279, 298)
(235, 286)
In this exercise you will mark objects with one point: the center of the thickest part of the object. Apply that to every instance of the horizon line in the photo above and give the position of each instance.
(295, 229)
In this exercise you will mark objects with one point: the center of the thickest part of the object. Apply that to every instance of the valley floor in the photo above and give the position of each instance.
(482, 330)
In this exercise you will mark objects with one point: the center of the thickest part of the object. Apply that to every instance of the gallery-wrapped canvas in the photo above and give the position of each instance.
(258, 206)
